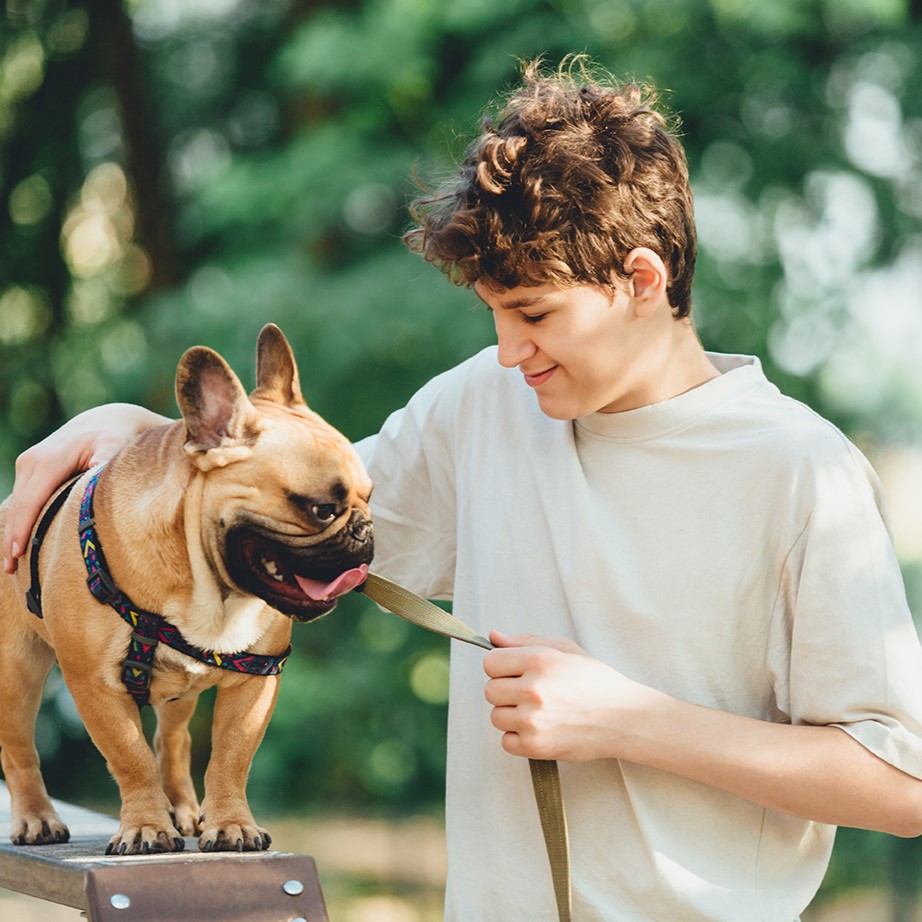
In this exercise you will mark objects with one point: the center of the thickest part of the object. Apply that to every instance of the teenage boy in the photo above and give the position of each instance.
(719, 649)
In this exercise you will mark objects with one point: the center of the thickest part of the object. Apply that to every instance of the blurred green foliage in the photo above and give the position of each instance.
(180, 173)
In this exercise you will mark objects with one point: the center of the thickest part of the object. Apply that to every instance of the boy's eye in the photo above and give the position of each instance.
(533, 318)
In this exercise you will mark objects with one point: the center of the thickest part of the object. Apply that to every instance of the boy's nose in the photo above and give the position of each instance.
(514, 348)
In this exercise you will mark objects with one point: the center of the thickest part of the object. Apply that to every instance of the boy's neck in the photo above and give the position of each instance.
(675, 364)
(691, 367)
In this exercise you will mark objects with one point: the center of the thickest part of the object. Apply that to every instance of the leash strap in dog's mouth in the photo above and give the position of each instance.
(544, 774)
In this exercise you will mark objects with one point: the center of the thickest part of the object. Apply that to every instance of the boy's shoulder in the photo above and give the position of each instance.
(791, 436)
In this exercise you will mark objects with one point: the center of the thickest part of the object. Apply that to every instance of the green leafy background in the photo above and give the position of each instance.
(179, 173)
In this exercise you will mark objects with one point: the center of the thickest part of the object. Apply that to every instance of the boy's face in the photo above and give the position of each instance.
(583, 348)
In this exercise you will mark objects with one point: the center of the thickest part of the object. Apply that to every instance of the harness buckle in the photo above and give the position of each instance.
(149, 640)
(33, 603)
(104, 590)
(136, 677)
(130, 663)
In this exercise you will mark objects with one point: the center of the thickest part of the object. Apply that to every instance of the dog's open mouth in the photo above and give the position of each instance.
(289, 580)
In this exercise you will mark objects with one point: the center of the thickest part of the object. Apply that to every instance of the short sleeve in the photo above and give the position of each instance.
(844, 650)
(410, 462)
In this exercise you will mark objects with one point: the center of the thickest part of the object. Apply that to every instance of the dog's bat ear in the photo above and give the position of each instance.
(221, 424)
(276, 369)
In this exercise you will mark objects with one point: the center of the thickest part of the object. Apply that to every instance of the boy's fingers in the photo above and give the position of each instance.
(498, 639)
(22, 512)
(505, 662)
(502, 692)
(35, 482)
(13, 539)
(516, 640)
(90, 438)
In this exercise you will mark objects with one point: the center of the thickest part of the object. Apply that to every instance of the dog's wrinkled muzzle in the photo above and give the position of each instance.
(303, 582)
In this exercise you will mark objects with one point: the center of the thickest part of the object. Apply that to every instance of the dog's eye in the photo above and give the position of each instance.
(324, 512)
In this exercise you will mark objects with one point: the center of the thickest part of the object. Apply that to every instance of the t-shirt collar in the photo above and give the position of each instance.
(738, 373)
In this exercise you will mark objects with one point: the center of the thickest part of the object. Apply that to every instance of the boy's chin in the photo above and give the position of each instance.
(558, 409)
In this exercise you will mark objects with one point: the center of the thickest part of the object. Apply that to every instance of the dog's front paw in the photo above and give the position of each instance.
(234, 837)
(145, 840)
(44, 828)
(187, 819)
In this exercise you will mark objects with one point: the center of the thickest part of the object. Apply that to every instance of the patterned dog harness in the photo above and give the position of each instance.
(148, 629)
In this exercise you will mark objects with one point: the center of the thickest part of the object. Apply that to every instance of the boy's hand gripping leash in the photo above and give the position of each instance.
(544, 774)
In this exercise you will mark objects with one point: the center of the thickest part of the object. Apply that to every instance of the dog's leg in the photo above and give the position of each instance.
(25, 660)
(173, 745)
(114, 724)
(242, 712)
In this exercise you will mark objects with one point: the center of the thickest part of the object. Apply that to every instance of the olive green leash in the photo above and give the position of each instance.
(544, 774)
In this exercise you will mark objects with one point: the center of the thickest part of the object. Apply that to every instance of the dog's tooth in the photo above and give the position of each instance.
(271, 567)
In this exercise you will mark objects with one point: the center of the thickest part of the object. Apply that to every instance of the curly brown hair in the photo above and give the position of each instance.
(577, 172)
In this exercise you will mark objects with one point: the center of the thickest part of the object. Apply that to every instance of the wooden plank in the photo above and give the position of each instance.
(177, 886)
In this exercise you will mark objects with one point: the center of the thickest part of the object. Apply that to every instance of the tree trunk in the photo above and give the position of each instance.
(118, 57)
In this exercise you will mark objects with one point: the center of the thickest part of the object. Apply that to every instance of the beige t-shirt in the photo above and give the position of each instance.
(726, 546)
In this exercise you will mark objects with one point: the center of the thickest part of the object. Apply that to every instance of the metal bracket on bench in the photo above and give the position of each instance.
(238, 888)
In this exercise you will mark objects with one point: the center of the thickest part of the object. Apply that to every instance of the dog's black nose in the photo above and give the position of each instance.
(360, 529)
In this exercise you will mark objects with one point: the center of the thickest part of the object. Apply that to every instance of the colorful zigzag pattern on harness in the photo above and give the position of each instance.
(149, 629)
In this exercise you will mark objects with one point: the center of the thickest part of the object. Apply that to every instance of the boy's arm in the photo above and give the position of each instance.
(88, 439)
(553, 701)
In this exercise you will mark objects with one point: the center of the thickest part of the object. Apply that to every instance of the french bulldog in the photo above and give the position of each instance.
(221, 529)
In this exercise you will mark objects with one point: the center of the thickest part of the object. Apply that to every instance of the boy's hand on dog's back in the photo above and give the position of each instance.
(88, 439)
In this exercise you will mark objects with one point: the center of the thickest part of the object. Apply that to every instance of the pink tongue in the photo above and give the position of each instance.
(319, 591)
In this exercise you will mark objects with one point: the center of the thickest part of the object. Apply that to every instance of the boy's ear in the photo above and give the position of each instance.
(647, 279)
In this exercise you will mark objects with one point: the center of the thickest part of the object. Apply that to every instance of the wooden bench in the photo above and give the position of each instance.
(188, 886)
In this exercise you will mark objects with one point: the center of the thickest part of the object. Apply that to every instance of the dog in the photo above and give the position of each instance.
(219, 529)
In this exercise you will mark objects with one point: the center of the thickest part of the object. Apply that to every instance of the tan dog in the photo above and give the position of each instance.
(230, 523)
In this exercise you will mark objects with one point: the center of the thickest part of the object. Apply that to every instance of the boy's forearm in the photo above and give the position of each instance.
(88, 439)
(125, 419)
(819, 773)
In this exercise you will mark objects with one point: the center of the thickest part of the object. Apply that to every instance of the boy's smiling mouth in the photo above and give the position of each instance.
(535, 380)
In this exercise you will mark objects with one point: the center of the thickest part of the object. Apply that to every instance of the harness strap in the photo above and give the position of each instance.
(149, 629)
(544, 774)
(34, 592)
